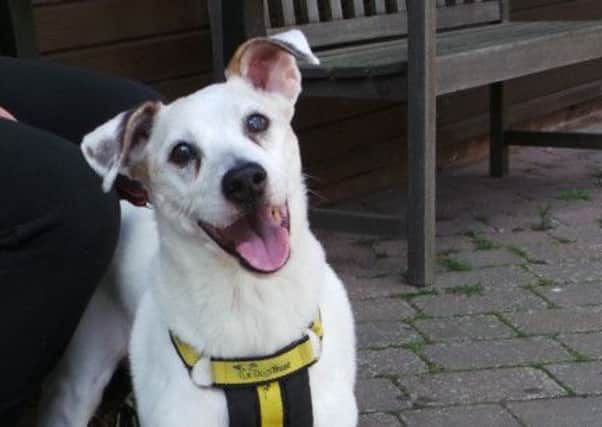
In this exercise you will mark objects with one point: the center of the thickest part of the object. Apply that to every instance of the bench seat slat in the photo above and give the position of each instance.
(473, 57)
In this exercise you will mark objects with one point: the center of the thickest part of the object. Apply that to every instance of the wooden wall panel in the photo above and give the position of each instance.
(149, 60)
(348, 146)
(87, 23)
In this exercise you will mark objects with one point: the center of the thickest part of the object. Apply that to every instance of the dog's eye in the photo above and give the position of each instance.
(257, 123)
(182, 154)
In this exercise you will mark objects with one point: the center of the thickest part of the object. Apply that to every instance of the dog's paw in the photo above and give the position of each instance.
(201, 373)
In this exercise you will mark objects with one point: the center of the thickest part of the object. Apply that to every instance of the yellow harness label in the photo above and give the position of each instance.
(257, 371)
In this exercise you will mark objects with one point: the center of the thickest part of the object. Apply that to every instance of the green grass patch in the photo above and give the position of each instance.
(415, 346)
(575, 194)
(467, 290)
(434, 368)
(453, 264)
(481, 243)
(518, 251)
(579, 357)
(564, 240)
(543, 283)
(419, 293)
(544, 213)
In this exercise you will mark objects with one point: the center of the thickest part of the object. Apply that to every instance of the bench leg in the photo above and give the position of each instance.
(422, 100)
(498, 150)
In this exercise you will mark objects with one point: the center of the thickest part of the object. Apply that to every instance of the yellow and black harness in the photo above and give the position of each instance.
(270, 391)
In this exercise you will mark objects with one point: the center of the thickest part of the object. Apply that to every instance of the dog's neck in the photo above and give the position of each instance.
(210, 301)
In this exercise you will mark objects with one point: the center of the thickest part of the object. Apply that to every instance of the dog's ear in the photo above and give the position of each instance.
(270, 63)
(118, 146)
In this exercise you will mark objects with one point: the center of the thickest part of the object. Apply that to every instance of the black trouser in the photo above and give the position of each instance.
(57, 229)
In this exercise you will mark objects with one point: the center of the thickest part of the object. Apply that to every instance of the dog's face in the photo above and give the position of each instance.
(222, 165)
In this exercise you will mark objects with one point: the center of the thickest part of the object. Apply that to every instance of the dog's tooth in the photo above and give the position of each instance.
(276, 214)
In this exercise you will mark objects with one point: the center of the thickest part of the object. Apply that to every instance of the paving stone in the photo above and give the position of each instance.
(493, 385)
(579, 215)
(454, 243)
(494, 257)
(463, 328)
(577, 272)
(390, 362)
(390, 248)
(553, 321)
(379, 287)
(491, 301)
(567, 412)
(379, 394)
(589, 344)
(353, 258)
(577, 294)
(554, 252)
(518, 238)
(378, 420)
(582, 378)
(382, 309)
(384, 334)
(460, 416)
(459, 226)
(494, 278)
(491, 354)
(590, 233)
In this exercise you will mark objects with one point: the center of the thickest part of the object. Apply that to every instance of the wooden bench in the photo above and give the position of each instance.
(415, 50)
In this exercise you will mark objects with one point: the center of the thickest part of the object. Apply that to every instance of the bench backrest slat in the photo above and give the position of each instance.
(313, 13)
(379, 7)
(358, 8)
(288, 10)
(334, 22)
(336, 9)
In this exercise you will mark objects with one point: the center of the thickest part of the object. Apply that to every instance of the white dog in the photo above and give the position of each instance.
(223, 267)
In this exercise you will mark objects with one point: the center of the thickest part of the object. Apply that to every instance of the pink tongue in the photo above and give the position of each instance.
(261, 241)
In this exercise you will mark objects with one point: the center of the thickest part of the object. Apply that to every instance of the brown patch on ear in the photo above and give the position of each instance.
(234, 66)
(135, 131)
(268, 64)
(136, 127)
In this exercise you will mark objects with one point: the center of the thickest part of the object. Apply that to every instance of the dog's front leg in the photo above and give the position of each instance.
(75, 388)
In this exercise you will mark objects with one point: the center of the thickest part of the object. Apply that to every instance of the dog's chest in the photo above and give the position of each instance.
(168, 397)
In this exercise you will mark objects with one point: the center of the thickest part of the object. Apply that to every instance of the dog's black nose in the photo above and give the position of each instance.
(245, 183)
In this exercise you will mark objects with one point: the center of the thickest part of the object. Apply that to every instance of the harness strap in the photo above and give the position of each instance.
(228, 373)
(271, 391)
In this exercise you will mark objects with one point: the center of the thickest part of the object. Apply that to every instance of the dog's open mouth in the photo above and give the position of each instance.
(260, 239)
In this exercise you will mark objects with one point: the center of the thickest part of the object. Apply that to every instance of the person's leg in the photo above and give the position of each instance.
(57, 229)
(66, 101)
(57, 235)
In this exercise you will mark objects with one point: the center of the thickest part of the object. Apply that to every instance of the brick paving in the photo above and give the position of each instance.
(511, 333)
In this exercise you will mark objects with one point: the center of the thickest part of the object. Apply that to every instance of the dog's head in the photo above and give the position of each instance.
(222, 165)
